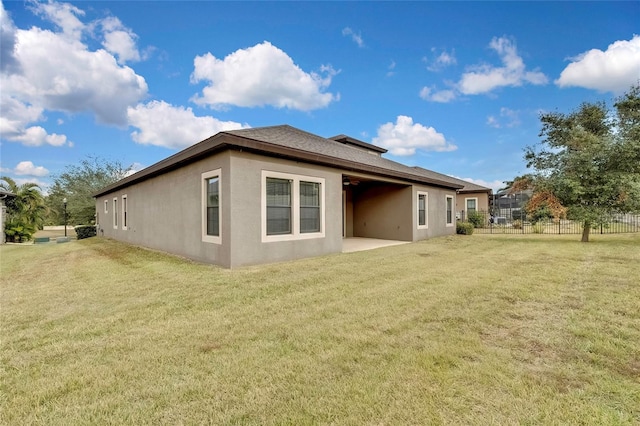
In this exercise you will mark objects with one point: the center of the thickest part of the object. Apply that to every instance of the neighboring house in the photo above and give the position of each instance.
(3, 211)
(270, 194)
(470, 197)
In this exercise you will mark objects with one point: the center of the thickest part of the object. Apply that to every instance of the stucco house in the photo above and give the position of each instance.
(270, 194)
(471, 197)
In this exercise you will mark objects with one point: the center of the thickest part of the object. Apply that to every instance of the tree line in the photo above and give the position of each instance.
(30, 209)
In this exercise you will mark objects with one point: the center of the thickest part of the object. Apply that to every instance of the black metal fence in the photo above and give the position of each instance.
(519, 223)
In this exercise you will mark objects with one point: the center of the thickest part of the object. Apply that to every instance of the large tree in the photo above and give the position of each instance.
(77, 184)
(25, 211)
(588, 162)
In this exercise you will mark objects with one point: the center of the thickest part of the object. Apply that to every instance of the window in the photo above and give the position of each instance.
(449, 201)
(115, 213)
(106, 206)
(472, 204)
(422, 209)
(278, 206)
(309, 207)
(292, 207)
(124, 212)
(211, 202)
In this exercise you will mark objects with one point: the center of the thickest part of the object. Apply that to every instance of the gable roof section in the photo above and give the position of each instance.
(288, 142)
(468, 186)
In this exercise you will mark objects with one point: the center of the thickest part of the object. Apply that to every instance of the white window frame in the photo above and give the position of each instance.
(124, 212)
(426, 210)
(295, 207)
(453, 210)
(106, 206)
(115, 213)
(214, 239)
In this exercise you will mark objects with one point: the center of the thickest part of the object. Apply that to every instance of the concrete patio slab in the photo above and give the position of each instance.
(350, 245)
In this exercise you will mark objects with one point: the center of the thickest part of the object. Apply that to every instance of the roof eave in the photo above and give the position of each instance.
(224, 140)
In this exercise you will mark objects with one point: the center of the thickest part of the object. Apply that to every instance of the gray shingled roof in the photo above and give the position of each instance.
(288, 142)
(291, 137)
(468, 186)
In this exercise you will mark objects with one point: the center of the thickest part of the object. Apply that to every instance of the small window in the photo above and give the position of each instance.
(211, 207)
(309, 207)
(278, 206)
(115, 213)
(106, 206)
(449, 210)
(124, 212)
(472, 204)
(422, 210)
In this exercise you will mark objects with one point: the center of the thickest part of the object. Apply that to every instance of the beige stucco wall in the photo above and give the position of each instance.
(247, 246)
(483, 201)
(165, 212)
(436, 213)
(383, 211)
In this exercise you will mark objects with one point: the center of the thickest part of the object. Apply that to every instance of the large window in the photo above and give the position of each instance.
(292, 206)
(449, 201)
(309, 207)
(211, 203)
(278, 206)
(422, 209)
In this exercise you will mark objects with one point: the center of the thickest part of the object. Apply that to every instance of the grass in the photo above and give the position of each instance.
(487, 329)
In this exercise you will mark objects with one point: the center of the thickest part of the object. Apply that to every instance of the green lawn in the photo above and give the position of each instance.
(486, 329)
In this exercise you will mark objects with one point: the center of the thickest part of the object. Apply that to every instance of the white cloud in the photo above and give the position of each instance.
(440, 61)
(27, 168)
(485, 78)
(356, 37)
(614, 70)
(64, 15)
(443, 96)
(404, 137)
(163, 124)
(261, 75)
(120, 40)
(507, 118)
(37, 136)
(391, 68)
(55, 70)
(8, 61)
(15, 120)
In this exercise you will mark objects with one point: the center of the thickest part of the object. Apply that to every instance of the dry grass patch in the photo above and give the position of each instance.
(457, 330)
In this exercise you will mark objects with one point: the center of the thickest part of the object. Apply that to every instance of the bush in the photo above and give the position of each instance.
(538, 228)
(476, 219)
(517, 224)
(464, 228)
(85, 231)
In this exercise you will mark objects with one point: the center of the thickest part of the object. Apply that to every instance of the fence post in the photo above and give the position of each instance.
(559, 222)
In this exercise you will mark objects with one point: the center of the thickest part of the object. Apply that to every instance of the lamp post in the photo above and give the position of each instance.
(64, 203)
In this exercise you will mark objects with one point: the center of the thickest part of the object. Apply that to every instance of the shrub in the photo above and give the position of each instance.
(476, 219)
(538, 228)
(517, 224)
(85, 231)
(464, 228)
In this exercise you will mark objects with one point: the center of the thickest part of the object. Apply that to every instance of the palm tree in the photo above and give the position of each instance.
(25, 211)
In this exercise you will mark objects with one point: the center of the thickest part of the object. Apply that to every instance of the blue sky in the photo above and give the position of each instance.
(455, 87)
